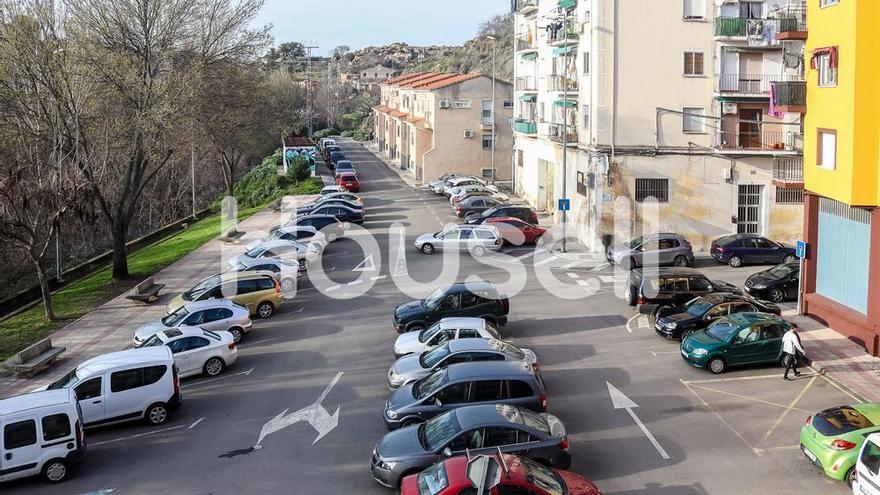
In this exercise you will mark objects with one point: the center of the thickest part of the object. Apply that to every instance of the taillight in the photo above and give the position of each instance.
(563, 445)
(808, 421)
(544, 404)
(231, 346)
(535, 366)
(641, 300)
(839, 444)
(277, 287)
(720, 249)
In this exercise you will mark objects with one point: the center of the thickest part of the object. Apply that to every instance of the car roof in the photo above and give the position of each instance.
(141, 355)
(475, 344)
(462, 322)
(183, 331)
(743, 319)
(494, 369)
(340, 162)
(478, 285)
(278, 242)
(297, 228)
(36, 400)
(210, 303)
(506, 219)
(470, 416)
(227, 276)
(668, 270)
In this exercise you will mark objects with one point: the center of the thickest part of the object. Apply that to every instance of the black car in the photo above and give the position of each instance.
(699, 312)
(736, 250)
(479, 299)
(660, 291)
(472, 205)
(524, 213)
(336, 156)
(330, 149)
(777, 284)
(306, 209)
(343, 213)
(329, 225)
(343, 166)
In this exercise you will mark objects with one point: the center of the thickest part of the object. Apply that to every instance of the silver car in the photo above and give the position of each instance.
(437, 185)
(213, 314)
(282, 249)
(286, 271)
(662, 249)
(476, 239)
(443, 331)
(305, 234)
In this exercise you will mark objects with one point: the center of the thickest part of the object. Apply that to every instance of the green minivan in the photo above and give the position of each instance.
(739, 339)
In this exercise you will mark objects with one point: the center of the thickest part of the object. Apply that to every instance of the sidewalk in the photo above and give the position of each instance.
(109, 327)
(405, 175)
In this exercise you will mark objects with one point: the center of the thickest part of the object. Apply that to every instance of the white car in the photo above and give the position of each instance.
(196, 350)
(443, 331)
(465, 180)
(286, 271)
(437, 185)
(213, 314)
(476, 239)
(282, 249)
(305, 234)
(332, 189)
(457, 193)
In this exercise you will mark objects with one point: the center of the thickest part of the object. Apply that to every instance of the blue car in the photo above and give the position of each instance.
(738, 249)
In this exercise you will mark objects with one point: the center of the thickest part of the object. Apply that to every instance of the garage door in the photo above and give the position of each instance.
(843, 254)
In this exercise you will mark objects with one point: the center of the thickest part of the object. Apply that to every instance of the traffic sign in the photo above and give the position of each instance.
(564, 204)
(484, 472)
(801, 249)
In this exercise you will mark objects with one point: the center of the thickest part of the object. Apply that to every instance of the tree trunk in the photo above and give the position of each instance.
(45, 290)
(120, 254)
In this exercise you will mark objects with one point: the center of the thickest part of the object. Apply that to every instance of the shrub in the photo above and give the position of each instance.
(361, 135)
(325, 133)
(298, 169)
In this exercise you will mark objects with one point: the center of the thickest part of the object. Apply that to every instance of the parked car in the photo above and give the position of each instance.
(524, 213)
(343, 166)
(660, 291)
(215, 314)
(324, 142)
(700, 312)
(328, 225)
(738, 249)
(335, 157)
(476, 239)
(517, 232)
(329, 201)
(340, 211)
(831, 439)
(346, 195)
(332, 189)
(349, 180)
(519, 476)
(473, 429)
(660, 249)
(437, 185)
(463, 180)
(285, 271)
(777, 284)
(458, 193)
(125, 386)
(474, 204)
(196, 351)
(305, 234)
(866, 479)
(408, 369)
(477, 299)
(41, 433)
(467, 383)
(282, 249)
(736, 340)
(443, 331)
(260, 292)
(329, 149)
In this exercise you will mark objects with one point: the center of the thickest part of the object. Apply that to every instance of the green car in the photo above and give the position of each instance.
(736, 340)
(832, 439)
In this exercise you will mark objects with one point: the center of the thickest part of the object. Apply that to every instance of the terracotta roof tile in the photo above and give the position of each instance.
(397, 114)
(382, 109)
(458, 78)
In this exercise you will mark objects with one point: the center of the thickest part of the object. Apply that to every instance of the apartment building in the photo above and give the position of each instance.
(690, 109)
(432, 123)
(842, 169)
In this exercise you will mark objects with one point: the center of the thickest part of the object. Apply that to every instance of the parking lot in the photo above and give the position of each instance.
(640, 421)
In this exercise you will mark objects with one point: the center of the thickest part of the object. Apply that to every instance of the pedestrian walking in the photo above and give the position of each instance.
(792, 350)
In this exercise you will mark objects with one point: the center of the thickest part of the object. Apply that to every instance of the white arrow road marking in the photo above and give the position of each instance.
(621, 401)
(202, 382)
(102, 492)
(322, 421)
(365, 266)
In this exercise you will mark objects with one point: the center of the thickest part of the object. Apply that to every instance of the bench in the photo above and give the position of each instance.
(33, 359)
(146, 291)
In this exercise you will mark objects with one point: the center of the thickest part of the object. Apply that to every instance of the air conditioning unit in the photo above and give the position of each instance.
(444, 104)
(468, 133)
(729, 108)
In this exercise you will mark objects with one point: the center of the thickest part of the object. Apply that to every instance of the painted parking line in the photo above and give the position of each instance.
(746, 397)
(546, 260)
(664, 353)
(531, 253)
(573, 275)
(139, 435)
(641, 321)
(224, 377)
(787, 410)
(378, 277)
(196, 423)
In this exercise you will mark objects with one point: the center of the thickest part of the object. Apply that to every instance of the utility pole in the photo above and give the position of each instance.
(494, 144)
(309, 96)
(564, 121)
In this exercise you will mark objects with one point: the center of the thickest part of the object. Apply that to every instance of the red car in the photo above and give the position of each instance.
(517, 232)
(349, 181)
(521, 475)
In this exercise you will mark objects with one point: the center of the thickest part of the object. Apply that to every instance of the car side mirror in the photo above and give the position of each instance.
(437, 401)
(447, 452)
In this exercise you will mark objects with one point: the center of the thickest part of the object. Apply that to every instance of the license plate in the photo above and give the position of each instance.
(809, 455)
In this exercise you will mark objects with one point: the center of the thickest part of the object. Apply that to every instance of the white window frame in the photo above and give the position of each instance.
(586, 63)
(826, 152)
(483, 141)
(684, 62)
(692, 14)
(508, 103)
(691, 112)
(460, 104)
(486, 106)
(827, 75)
(827, 3)
(586, 111)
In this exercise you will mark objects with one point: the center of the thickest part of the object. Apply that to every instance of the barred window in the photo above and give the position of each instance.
(652, 188)
(789, 196)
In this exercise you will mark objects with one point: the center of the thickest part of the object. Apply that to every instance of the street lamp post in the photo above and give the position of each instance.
(494, 144)
(564, 124)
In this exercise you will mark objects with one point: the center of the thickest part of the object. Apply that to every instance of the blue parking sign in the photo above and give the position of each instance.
(801, 249)
(564, 204)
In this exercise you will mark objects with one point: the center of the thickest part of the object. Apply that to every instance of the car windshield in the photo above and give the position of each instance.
(65, 381)
(434, 299)
(780, 271)
(175, 317)
(840, 421)
(439, 431)
(428, 385)
(430, 358)
(721, 329)
(698, 306)
(433, 480)
(201, 288)
(636, 242)
(254, 252)
(429, 332)
(153, 341)
(543, 477)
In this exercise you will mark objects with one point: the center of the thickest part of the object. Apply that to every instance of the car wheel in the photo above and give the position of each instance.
(540, 241)
(790, 259)
(716, 365)
(850, 476)
(427, 248)
(237, 334)
(662, 311)
(157, 414)
(288, 284)
(680, 261)
(55, 471)
(417, 327)
(631, 264)
(478, 251)
(630, 296)
(686, 334)
(777, 295)
(265, 309)
(409, 422)
(213, 366)
(735, 261)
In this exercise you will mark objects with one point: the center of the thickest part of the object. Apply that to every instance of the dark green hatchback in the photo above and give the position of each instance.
(737, 340)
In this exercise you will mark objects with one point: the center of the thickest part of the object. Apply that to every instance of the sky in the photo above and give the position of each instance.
(360, 23)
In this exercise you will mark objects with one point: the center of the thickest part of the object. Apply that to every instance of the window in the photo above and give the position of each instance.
(121, 381)
(468, 334)
(88, 389)
(827, 70)
(692, 119)
(508, 103)
(701, 284)
(789, 196)
(21, 434)
(693, 64)
(153, 374)
(586, 63)
(486, 173)
(518, 389)
(488, 390)
(694, 9)
(461, 103)
(56, 426)
(827, 152)
(652, 188)
(871, 458)
(487, 109)
(827, 3)
(585, 109)
(488, 142)
(499, 436)
(454, 394)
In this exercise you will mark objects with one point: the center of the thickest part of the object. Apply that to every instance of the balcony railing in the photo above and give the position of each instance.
(526, 83)
(741, 140)
(789, 169)
(568, 33)
(790, 93)
(525, 126)
(793, 23)
(526, 6)
(562, 83)
(758, 29)
(749, 84)
(557, 131)
(526, 44)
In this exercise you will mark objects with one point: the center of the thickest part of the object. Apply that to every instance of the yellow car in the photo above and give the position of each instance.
(258, 290)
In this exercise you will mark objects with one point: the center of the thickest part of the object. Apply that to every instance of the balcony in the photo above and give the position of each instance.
(759, 32)
(564, 35)
(526, 44)
(793, 23)
(556, 133)
(746, 84)
(526, 83)
(563, 83)
(788, 172)
(758, 141)
(526, 7)
(525, 126)
(790, 96)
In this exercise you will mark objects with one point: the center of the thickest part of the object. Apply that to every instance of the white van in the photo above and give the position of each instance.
(41, 433)
(127, 385)
(867, 479)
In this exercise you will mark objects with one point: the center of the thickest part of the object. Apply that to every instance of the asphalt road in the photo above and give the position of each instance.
(735, 434)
